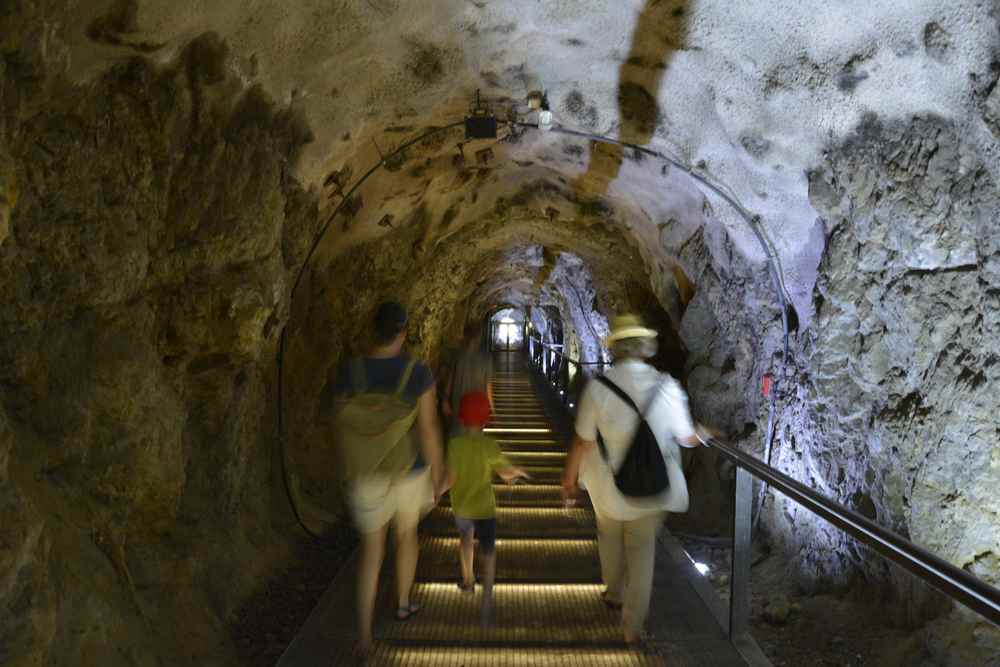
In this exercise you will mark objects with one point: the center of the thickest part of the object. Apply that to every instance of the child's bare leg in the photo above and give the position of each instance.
(466, 556)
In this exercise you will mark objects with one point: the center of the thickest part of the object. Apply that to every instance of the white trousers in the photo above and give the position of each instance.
(628, 551)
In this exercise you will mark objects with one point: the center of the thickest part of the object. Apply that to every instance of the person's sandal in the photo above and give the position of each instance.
(466, 588)
(404, 613)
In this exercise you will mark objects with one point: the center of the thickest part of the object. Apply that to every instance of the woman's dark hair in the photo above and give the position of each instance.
(390, 320)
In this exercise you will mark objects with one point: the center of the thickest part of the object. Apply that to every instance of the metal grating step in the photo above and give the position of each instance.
(541, 458)
(400, 655)
(521, 522)
(505, 431)
(530, 445)
(568, 613)
(518, 560)
(544, 474)
(522, 495)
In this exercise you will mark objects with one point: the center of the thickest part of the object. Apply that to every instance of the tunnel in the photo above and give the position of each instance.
(203, 204)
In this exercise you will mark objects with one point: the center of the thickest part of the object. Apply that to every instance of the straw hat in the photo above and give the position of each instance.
(628, 326)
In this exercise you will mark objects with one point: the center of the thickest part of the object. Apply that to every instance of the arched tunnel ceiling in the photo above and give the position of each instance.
(749, 92)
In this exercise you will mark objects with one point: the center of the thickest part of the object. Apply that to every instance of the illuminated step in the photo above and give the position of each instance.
(525, 459)
(508, 416)
(500, 406)
(550, 613)
(517, 429)
(528, 495)
(518, 424)
(524, 495)
(521, 522)
(554, 437)
(395, 655)
(520, 561)
(544, 474)
(529, 444)
(515, 416)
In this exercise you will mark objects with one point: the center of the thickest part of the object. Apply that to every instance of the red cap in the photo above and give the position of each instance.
(474, 409)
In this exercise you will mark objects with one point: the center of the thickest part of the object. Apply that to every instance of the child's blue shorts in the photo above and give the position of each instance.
(485, 530)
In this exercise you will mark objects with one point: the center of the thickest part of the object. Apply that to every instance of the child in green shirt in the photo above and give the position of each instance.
(472, 459)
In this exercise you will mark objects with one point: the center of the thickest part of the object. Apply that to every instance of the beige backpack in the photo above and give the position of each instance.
(373, 428)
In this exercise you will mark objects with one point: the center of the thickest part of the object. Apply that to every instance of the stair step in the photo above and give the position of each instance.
(518, 423)
(541, 474)
(568, 613)
(520, 413)
(522, 561)
(509, 445)
(510, 430)
(544, 458)
(526, 495)
(521, 522)
(396, 655)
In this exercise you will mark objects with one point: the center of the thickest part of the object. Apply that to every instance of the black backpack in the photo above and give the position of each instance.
(643, 473)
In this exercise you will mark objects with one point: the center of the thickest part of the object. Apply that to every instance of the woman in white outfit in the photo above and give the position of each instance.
(627, 527)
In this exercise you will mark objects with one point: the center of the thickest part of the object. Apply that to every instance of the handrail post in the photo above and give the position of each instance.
(739, 584)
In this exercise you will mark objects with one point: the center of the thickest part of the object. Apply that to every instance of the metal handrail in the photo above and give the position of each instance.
(954, 582)
(556, 349)
(950, 580)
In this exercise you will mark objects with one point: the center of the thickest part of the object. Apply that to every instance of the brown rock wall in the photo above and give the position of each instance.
(145, 277)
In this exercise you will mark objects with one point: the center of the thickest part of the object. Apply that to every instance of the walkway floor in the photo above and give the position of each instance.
(548, 609)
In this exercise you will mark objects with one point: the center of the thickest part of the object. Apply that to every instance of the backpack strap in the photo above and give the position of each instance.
(359, 379)
(620, 393)
(405, 379)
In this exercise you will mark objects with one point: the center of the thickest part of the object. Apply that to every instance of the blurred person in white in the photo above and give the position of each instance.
(627, 526)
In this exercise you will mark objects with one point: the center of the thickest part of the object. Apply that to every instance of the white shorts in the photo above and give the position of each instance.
(378, 499)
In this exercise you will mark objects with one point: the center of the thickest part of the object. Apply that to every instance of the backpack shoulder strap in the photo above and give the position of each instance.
(618, 391)
(359, 379)
(405, 379)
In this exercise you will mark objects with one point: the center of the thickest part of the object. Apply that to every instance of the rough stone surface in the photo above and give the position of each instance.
(152, 224)
(895, 409)
(777, 610)
(152, 221)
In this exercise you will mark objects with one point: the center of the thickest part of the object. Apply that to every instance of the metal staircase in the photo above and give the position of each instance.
(548, 606)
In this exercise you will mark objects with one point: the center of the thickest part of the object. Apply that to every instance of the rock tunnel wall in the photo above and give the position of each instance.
(887, 403)
(896, 406)
(145, 277)
(514, 256)
(150, 224)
